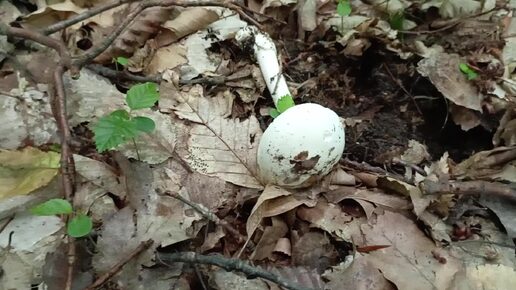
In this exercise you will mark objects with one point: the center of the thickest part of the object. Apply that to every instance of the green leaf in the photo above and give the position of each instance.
(396, 20)
(122, 60)
(274, 113)
(79, 226)
(284, 103)
(142, 96)
(113, 130)
(344, 8)
(52, 207)
(122, 114)
(468, 71)
(144, 124)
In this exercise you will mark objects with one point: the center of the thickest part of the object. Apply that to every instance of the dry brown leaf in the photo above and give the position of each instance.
(212, 239)
(218, 146)
(415, 153)
(420, 201)
(100, 174)
(443, 71)
(505, 210)
(273, 201)
(51, 14)
(466, 119)
(223, 280)
(408, 261)
(269, 239)
(168, 57)
(284, 247)
(331, 218)
(438, 229)
(26, 121)
(314, 250)
(360, 275)
(487, 277)
(136, 34)
(157, 146)
(376, 197)
(497, 164)
(188, 21)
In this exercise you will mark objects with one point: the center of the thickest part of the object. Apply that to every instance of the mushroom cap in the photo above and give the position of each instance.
(300, 146)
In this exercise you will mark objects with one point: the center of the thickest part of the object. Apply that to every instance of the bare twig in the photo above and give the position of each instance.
(410, 165)
(398, 82)
(469, 188)
(228, 265)
(209, 215)
(42, 39)
(83, 16)
(118, 266)
(127, 76)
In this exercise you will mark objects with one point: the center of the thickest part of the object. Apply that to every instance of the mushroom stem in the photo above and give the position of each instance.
(267, 57)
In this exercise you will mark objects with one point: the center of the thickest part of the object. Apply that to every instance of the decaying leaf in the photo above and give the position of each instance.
(145, 25)
(331, 218)
(487, 277)
(505, 210)
(313, 250)
(497, 164)
(154, 147)
(23, 171)
(361, 274)
(410, 250)
(218, 146)
(222, 280)
(91, 97)
(269, 239)
(32, 238)
(274, 201)
(443, 71)
(27, 120)
(189, 20)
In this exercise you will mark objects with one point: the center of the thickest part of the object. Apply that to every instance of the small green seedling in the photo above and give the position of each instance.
(283, 104)
(121, 126)
(123, 61)
(468, 71)
(343, 10)
(78, 226)
(396, 20)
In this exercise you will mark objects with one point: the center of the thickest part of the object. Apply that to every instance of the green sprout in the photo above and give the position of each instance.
(343, 10)
(283, 104)
(121, 126)
(78, 226)
(468, 71)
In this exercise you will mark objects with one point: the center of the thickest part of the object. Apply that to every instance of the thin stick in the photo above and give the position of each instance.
(125, 75)
(209, 215)
(83, 16)
(117, 267)
(469, 188)
(228, 265)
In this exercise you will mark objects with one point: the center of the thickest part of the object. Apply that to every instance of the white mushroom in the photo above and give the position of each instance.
(303, 143)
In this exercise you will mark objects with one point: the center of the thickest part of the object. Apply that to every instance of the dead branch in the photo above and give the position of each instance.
(118, 266)
(59, 46)
(83, 16)
(228, 265)
(127, 76)
(209, 215)
(480, 187)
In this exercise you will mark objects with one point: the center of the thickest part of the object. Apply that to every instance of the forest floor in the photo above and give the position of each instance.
(129, 132)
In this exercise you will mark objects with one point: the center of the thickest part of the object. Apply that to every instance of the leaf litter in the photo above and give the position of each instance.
(415, 117)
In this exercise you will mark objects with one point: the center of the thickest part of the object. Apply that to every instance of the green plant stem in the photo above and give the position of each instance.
(136, 149)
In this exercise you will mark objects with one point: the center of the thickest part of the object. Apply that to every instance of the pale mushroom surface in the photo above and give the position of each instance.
(300, 146)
